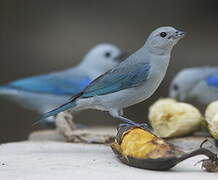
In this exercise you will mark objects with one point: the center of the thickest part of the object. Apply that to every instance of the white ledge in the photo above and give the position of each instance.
(63, 161)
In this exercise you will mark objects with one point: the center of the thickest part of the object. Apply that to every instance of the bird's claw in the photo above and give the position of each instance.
(142, 125)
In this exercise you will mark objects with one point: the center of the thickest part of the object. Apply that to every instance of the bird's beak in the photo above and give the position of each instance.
(122, 56)
(178, 35)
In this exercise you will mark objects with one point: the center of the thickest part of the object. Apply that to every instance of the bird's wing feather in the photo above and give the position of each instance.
(212, 80)
(110, 82)
(118, 79)
(52, 84)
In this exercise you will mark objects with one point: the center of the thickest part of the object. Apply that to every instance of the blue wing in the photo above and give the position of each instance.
(118, 79)
(212, 81)
(115, 80)
(52, 84)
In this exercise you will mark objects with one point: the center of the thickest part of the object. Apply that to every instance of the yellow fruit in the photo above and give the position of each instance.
(138, 146)
(170, 118)
(139, 143)
(211, 116)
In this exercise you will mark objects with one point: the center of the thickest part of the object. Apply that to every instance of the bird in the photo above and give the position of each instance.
(195, 84)
(42, 93)
(132, 81)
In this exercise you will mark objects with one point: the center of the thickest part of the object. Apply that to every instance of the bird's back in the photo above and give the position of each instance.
(45, 92)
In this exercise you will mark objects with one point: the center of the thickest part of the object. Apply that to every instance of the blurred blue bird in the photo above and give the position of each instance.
(44, 92)
(198, 85)
(132, 81)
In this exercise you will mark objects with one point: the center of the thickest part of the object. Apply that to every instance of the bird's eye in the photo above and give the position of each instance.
(163, 34)
(175, 87)
(107, 54)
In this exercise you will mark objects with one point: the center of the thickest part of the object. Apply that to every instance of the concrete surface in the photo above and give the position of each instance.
(67, 161)
(97, 134)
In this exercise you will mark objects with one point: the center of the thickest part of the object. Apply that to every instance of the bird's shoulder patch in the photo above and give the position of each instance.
(212, 81)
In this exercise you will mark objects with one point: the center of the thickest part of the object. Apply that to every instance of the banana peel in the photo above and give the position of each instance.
(138, 146)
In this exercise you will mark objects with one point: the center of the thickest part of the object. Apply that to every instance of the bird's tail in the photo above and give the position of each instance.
(7, 92)
(4, 90)
(64, 107)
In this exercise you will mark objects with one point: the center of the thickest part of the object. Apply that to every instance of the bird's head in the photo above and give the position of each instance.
(163, 39)
(103, 57)
(183, 83)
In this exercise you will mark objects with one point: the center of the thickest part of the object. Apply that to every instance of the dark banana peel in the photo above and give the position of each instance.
(137, 146)
(216, 142)
(205, 126)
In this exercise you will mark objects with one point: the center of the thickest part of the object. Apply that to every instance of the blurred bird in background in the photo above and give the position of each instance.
(132, 81)
(44, 92)
(199, 85)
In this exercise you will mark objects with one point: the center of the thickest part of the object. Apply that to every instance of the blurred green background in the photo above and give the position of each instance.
(39, 36)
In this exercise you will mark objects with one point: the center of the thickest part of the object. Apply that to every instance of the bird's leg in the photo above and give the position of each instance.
(125, 120)
(121, 113)
(65, 125)
(117, 114)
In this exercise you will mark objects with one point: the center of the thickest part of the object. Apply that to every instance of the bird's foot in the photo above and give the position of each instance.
(142, 125)
(123, 125)
(65, 124)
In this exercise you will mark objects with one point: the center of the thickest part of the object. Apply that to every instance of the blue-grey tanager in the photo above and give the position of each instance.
(132, 81)
(198, 84)
(45, 92)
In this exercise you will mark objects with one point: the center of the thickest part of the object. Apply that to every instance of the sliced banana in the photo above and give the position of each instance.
(170, 118)
(211, 116)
